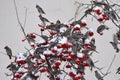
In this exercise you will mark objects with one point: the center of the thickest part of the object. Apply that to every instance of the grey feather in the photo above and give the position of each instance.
(43, 19)
(118, 70)
(113, 15)
(115, 43)
(98, 75)
(101, 28)
(40, 10)
(90, 62)
(118, 34)
(8, 51)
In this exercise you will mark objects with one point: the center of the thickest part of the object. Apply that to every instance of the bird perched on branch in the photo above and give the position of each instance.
(8, 51)
(115, 43)
(118, 71)
(101, 28)
(118, 34)
(43, 19)
(40, 10)
(98, 76)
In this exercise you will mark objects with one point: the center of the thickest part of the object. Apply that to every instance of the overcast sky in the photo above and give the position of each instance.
(11, 34)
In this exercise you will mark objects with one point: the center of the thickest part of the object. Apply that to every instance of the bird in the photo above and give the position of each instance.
(91, 63)
(98, 76)
(8, 51)
(67, 32)
(44, 37)
(40, 10)
(88, 11)
(115, 43)
(52, 26)
(13, 67)
(101, 28)
(113, 15)
(92, 41)
(118, 34)
(118, 70)
(43, 19)
(30, 39)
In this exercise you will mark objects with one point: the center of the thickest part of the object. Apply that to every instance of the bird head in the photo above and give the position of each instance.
(37, 6)
(6, 47)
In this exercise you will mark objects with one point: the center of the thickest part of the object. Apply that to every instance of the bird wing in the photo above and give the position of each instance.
(40, 10)
(115, 39)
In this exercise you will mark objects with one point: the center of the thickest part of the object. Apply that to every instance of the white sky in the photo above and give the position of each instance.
(11, 34)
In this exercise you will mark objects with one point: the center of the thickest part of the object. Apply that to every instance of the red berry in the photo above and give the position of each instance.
(66, 52)
(54, 51)
(98, 12)
(101, 33)
(47, 55)
(68, 66)
(23, 40)
(65, 45)
(52, 33)
(32, 36)
(85, 64)
(43, 61)
(77, 61)
(71, 74)
(57, 78)
(21, 73)
(31, 56)
(86, 45)
(76, 28)
(76, 78)
(57, 64)
(69, 58)
(72, 24)
(100, 19)
(39, 63)
(42, 29)
(104, 15)
(107, 18)
(55, 67)
(59, 46)
(32, 45)
(91, 33)
(43, 69)
(37, 76)
(21, 62)
(17, 76)
(85, 57)
(83, 24)
(73, 56)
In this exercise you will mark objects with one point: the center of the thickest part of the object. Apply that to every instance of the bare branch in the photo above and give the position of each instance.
(22, 28)
(25, 17)
(110, 64)
(6, 54)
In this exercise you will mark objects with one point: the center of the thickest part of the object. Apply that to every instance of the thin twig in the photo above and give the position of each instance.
(112, 9)
(19, 21)
(5, 54)
(76, 12)
(111, 64)
(25, 18)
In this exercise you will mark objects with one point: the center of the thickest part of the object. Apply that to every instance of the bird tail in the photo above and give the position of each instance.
(10, 57)
(117, 50)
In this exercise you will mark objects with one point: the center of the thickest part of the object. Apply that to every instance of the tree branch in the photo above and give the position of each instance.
(20, 22)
